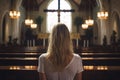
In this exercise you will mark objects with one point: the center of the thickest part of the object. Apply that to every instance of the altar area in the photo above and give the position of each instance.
(74, 36)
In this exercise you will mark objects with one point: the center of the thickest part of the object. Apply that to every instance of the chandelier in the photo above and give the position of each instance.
(84, 26)
(28, 21)
(33, 26)
(14, 14)
(89, 22)
(102, 15)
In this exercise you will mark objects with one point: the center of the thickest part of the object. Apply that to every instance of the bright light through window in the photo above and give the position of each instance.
(52, 17)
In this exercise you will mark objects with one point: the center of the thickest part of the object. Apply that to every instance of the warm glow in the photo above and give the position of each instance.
(89, 67)
(102, 15)
(52, 17)
(14, 68)
(84, 26)
(89, 22)
(30, 67)
(14, 14)
(28, 21)
(33, 26)
(102, 68)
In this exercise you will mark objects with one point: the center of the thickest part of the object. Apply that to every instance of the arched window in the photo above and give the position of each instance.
(52, 17)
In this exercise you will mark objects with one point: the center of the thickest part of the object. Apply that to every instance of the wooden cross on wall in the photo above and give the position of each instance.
(58, 10)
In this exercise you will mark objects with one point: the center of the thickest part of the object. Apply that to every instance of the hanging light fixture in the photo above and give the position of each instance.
(33, 26)
(28, 21)
(13, 13)
(89, 21)
(102, 14)
(84, 26)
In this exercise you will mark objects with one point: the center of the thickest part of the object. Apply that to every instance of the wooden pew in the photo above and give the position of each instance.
(23, 58)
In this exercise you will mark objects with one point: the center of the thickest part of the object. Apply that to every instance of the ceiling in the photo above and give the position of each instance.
(31, 5)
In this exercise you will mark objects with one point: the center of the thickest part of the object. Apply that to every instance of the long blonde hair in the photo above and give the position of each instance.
(60, 47)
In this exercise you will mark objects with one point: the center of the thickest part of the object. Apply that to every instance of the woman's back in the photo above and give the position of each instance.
(68, 73)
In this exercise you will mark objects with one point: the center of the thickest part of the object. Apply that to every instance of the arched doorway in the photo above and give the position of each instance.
(116, 24)
(5, 28)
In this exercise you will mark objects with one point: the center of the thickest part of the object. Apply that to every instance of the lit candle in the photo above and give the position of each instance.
(77, 42)
(87, 43)
(84, 43)
(44, 42)
(28, 43)
(33, 42)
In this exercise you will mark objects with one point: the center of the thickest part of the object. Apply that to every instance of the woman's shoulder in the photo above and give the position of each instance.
(42, 55)
(77, 56)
